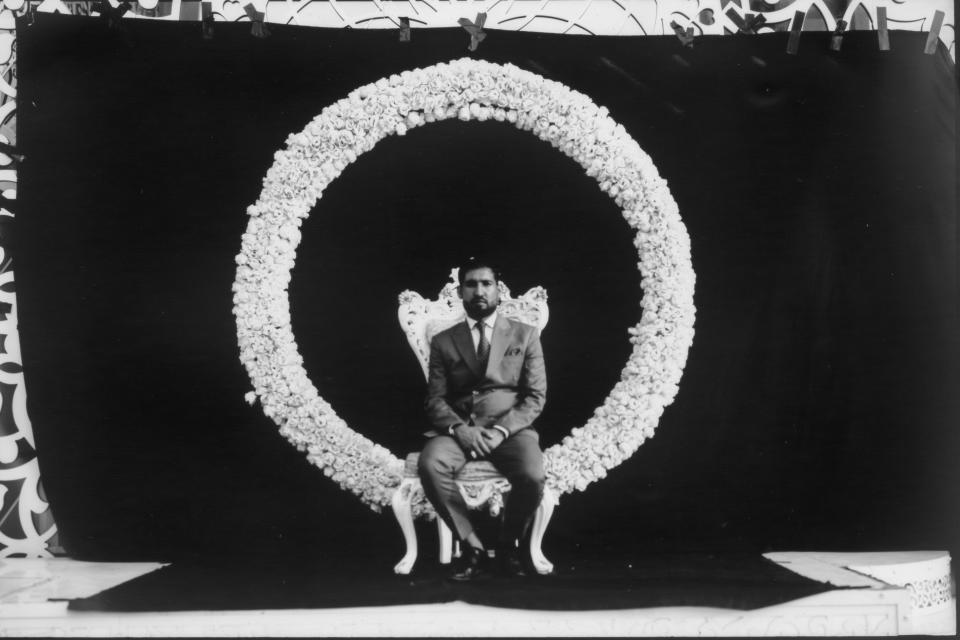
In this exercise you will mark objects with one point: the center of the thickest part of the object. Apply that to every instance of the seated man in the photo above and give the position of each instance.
(486, 385)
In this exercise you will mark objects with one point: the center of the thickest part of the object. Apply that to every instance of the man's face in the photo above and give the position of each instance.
(479, 293)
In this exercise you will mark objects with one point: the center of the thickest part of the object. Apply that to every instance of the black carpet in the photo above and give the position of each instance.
(730, 581)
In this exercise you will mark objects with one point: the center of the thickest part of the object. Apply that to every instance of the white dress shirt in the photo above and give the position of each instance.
(488, 323)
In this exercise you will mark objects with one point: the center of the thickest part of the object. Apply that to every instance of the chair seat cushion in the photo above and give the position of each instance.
(478, 471)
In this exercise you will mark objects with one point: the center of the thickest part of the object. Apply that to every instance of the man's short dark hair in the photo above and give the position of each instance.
(477, 263)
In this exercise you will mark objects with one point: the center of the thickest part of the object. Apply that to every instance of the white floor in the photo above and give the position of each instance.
(900, 593)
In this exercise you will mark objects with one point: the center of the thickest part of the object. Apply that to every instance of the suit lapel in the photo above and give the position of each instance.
(464, 343)
(498, 345)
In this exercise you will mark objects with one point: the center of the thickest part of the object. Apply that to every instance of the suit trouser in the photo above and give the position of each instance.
(518, 458)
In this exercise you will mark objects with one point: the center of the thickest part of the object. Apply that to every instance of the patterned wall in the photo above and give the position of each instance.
(595, 17)
(27, 526)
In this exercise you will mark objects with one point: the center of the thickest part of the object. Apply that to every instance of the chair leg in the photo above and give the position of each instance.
(404, 515)
(540, 521)
(446, 541)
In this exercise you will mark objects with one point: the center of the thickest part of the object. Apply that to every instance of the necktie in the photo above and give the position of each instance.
(483, 346)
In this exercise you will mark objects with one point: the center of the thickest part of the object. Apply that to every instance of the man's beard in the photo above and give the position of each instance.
(480, 312)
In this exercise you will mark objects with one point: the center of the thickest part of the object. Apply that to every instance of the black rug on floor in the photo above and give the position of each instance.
(730, 581)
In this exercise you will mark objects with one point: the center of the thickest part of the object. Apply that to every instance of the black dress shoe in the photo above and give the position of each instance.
(470, 565)
(509, 563)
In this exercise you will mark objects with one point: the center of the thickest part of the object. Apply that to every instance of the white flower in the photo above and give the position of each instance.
(469, 90)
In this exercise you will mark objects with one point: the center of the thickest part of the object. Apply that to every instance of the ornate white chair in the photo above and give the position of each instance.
(479, 482)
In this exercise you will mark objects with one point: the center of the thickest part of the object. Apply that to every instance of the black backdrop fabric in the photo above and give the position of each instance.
(818, 408)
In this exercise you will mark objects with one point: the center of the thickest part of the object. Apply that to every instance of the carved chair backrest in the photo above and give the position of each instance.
(422, 319)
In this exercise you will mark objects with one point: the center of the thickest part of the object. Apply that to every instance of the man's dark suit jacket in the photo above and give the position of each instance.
(511, 391)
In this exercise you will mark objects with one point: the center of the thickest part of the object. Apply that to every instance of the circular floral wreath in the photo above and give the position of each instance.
(468, 90)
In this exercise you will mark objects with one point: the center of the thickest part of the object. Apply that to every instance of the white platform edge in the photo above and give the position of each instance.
(875, 610)
(834, 613)
(926, 575)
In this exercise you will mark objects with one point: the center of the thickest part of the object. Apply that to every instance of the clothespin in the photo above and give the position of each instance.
(685, 36)
(259, 29)
(206, 20)
(837, 39)
(934, 34)
(793, 43)
(748, 24)
(753, 23)
(10, 151)
(883, 36)
(475, 30)
(31, 15)
(404, 29)
(110, 15)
